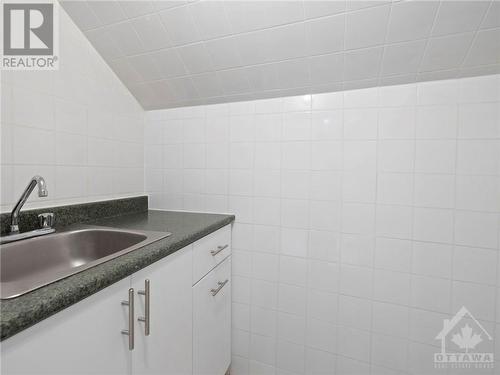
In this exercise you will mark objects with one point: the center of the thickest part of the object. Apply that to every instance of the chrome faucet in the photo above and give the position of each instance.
(42, 192)
(46, 219)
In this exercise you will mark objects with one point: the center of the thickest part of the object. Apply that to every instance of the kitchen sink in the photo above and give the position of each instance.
(32, 263)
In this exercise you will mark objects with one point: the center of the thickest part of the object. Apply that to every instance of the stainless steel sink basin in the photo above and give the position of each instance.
(30, 264)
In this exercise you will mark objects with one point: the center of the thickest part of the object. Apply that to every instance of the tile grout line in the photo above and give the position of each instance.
(412, 241)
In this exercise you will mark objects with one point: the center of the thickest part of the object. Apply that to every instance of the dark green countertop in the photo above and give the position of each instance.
(24, 311)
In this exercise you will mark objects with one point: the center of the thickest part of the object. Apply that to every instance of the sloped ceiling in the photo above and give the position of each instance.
(178, 53)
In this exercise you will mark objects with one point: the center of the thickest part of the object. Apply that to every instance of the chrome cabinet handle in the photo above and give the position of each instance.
(147, 313)
(221, 285)
(130, 331)
(219, 249)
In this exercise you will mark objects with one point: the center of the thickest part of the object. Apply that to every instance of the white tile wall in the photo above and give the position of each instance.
(363, 218)
(78, 127)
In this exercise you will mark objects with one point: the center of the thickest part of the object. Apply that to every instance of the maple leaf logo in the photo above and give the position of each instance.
(466, 339)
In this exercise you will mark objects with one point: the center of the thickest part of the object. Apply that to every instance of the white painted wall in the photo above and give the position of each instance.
(78, 127)
(363, 218)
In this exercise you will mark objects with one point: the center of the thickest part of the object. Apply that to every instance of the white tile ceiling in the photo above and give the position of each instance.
(178, 53)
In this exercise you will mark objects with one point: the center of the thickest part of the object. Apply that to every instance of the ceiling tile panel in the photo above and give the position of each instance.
(293, 73)
(155, 93)
(180, 25)
(360, 4)
(145, 95)
(362, 64)
(195, 58)
(145, 66)
(254, 15)
(397, 80)
(327, 69)
(281, 75)
(325, 35)
(493, 16)
(411, 20)
(151, 32)
(169, 63)
(479, 70)
(125, 38)
(366, 28)
(102, 42)
(159, 5)
(234, 81)
(207, 84)
(314, 9)
(83, 16)
(262, 77)
(164, 89)
(223, 53)
(108, 12)
(360, 84)
(177, 53)
(403, 58)
(210, 18)
(125, 71)
(270, 45)
(136, 8)
(459, 16)
(182, 88)
(446, 52)
(437, 75)
(484, 50)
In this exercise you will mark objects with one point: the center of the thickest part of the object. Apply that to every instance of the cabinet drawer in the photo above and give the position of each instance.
(210, 251)
(212, 321)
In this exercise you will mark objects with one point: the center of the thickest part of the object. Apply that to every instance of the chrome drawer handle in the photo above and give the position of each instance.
(147, 313)
(219, 249)
(130, 331)
(221, 285)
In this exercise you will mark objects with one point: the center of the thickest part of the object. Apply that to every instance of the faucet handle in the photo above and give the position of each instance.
(46, 220)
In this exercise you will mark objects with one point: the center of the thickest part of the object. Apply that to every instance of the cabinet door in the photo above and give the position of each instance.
(167, 350)
(83, 339)
(212, 321)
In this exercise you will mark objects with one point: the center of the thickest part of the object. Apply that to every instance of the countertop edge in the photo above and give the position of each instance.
(114, 271)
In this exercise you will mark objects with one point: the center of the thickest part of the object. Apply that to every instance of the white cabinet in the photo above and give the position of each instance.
(87, 338)
(167, 350)
(82, 339)
(212, 321)
(190, 326)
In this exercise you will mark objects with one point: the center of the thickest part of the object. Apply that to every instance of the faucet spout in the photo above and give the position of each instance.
(42, 192)
(42, 187)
